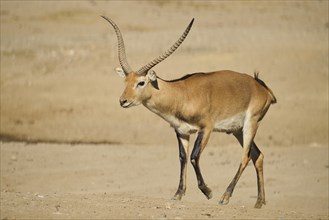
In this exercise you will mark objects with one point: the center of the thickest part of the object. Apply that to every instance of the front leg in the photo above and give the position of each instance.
(183, 143)
(199, 145)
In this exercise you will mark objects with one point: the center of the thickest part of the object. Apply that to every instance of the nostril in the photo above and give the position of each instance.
(123, 101)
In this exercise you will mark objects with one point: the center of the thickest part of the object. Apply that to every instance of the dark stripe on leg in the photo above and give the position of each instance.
(183, 161)
(195, 156)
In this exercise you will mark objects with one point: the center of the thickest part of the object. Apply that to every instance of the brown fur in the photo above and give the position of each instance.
(203, 99)
(224, 101)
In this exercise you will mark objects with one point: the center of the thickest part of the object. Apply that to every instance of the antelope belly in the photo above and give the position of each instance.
(230, 124)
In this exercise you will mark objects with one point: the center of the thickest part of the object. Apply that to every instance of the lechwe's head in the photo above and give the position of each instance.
(139, 84)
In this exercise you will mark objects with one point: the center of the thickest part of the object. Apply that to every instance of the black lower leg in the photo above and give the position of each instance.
(182, 157)
(195, 156)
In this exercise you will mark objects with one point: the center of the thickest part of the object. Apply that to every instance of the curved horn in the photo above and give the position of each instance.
(121, 47)
(172, 49)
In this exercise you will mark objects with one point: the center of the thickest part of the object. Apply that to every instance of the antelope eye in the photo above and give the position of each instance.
(141, 83)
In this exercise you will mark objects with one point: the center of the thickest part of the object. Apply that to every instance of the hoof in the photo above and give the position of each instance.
(206, 191)
(177, 196)
(225, 199)
(209, 195)
(259, 203)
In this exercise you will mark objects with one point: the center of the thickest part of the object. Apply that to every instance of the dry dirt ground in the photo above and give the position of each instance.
(69, 151)
(127, 181)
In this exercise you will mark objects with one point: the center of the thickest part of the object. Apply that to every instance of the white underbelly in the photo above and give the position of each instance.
(230, 124)
(227, 125)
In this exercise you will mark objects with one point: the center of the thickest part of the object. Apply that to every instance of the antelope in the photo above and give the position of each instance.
(222, 101)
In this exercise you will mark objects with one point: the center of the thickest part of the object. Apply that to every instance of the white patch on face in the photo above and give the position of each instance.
(231, 124)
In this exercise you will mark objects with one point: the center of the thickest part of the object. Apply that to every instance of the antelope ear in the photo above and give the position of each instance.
(120, 72)
(151, 75)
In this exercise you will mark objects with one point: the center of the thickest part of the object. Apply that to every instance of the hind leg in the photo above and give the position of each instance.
(248, 135)
(257, 159)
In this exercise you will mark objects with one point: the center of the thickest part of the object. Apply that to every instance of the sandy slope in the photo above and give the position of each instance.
(58, 85)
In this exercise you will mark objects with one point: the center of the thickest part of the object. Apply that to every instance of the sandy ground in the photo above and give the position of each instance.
(128, 181)
(58, 87)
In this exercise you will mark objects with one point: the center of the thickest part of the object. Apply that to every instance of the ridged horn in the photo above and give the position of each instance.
(121, 47)
(172, 49)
